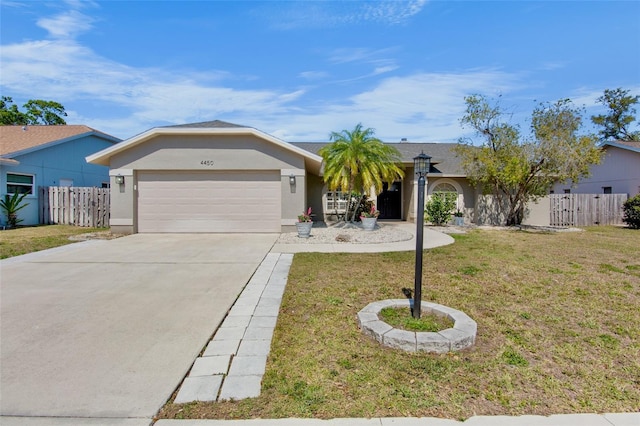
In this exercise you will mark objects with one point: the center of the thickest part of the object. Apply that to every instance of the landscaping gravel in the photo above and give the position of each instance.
(352, 234)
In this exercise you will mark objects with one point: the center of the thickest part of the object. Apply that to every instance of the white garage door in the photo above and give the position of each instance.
(209, 202)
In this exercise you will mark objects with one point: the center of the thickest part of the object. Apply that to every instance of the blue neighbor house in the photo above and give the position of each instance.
(37, 156)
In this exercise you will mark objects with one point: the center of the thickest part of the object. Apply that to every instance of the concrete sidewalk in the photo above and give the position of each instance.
(622, 419)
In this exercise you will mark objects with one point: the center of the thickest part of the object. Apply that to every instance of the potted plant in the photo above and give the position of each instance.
(304, 224)
(369, 219)
(11, 205)
(458, 218)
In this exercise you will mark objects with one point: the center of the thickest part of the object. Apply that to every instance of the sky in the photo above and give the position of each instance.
(300, 70)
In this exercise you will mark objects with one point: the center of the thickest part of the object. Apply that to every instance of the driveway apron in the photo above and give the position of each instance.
(110, 328)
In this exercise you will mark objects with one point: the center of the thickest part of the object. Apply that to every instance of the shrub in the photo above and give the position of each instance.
(439, 207)
(12, 205)
(631, 209)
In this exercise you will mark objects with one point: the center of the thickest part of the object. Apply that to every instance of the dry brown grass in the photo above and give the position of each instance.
(558, 332)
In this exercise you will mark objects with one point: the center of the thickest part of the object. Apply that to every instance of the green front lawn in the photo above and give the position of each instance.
(14, 242)
(558, 332)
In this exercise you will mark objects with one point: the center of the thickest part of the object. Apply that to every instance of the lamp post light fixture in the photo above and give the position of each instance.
(421, 165)
(292, 179)
(119, 179)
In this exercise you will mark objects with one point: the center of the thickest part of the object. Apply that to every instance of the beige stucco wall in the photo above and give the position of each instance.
(538, 213)
(201, 152)
(123, 203)
(619, 169)
(408, 210)
(293, 197)
(466, 194)
(207, 153)
(315, 191)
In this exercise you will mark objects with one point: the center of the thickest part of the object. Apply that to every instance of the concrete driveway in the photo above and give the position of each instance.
(109, 329)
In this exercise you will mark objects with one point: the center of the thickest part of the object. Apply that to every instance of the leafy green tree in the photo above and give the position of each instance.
(9, 113)
(516, 170)
(37, 112)
(615, 124)
(356, 161)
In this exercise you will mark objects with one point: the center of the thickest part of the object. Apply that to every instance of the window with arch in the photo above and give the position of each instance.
(444, 187)
(451, 191)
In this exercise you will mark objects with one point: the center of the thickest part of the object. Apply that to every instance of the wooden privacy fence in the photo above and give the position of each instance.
(74, 206)
(586, 209)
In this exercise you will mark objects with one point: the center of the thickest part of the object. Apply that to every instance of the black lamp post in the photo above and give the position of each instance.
(421, 165)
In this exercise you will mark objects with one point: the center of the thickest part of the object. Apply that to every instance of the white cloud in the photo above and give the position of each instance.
(392, 12)
(422, 107)
(67, 72)
(67, 24)
(357, 54)
(328, 14)
(125, 100)
(314, 75)
(384, 69)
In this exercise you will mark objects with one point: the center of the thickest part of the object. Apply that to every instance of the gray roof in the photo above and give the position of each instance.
(443, 159)
(208, 124)
(630, 145)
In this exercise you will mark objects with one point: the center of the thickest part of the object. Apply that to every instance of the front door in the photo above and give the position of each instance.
(390, 201)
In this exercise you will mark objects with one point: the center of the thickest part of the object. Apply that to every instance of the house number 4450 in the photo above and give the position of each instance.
(207, 162)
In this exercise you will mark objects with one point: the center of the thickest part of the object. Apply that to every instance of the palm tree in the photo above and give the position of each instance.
(357, 161)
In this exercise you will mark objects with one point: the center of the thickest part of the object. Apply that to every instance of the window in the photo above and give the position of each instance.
(606, 190)
(567, 191)
(21, 184)
(449, 191)
(337, 201)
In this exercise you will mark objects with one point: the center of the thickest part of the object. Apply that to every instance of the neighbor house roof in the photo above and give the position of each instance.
(17, 140)
(217, 127)
(443, 160)
(629, 145)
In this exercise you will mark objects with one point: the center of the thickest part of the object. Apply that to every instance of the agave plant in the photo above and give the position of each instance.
(11, 205)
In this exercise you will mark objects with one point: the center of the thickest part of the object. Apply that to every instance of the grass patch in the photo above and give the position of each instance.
(401, 318)
(549, 342)
(15, 242)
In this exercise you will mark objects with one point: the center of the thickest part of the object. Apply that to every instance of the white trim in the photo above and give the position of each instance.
(123, 172)
(415, 194)
(120, 222)
(33, 183)
(9, 161)
(295, 172)
(103, 157)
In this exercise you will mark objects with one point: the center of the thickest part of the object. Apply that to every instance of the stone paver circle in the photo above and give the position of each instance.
(462, 335)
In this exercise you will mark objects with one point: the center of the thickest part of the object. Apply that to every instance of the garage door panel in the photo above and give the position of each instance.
(209, 202)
